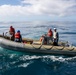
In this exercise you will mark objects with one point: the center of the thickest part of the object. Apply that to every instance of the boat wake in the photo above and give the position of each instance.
(48, 57)
(11, 59)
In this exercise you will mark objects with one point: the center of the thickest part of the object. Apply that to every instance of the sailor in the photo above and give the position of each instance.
(43, 39)
(50, 33)
(55, 37)
(18, 37)
(12, 33)
(49, 36)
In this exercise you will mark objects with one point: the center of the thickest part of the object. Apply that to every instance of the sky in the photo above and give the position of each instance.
(37, 10)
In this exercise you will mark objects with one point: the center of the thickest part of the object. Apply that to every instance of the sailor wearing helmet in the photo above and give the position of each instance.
(55, 37)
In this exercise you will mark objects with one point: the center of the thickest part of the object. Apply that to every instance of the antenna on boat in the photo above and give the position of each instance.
(3, 34)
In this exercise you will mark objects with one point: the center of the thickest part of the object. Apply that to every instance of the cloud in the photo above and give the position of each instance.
(8, 10)
(40, 7)
(52, 7)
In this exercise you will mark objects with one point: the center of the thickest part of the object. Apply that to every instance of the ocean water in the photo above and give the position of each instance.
(18, 63)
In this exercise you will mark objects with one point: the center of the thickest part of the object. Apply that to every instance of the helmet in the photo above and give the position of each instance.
(54, 28)
(18, 31)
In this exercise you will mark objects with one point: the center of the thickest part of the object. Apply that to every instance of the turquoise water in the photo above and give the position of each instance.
(17, 63)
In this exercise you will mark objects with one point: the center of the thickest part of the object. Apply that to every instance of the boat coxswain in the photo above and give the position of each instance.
(49, 36)
(12, 33)
(55, 37)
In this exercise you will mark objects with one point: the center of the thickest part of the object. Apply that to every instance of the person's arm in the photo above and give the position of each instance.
(14, 31)
(57, 35)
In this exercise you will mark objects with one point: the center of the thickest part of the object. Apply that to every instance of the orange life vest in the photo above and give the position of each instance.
(17, 35)
(41, 39)
(50, 33)
(12, 30)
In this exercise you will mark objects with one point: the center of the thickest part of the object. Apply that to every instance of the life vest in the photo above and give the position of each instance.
(12, 31)
(55, 35)
(17, 35)
(50, 33)
(41, 39)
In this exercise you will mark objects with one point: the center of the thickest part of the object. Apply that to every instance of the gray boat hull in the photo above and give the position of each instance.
(35, 48)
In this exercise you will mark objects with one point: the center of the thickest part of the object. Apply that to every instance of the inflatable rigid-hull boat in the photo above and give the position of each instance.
(37, 48)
